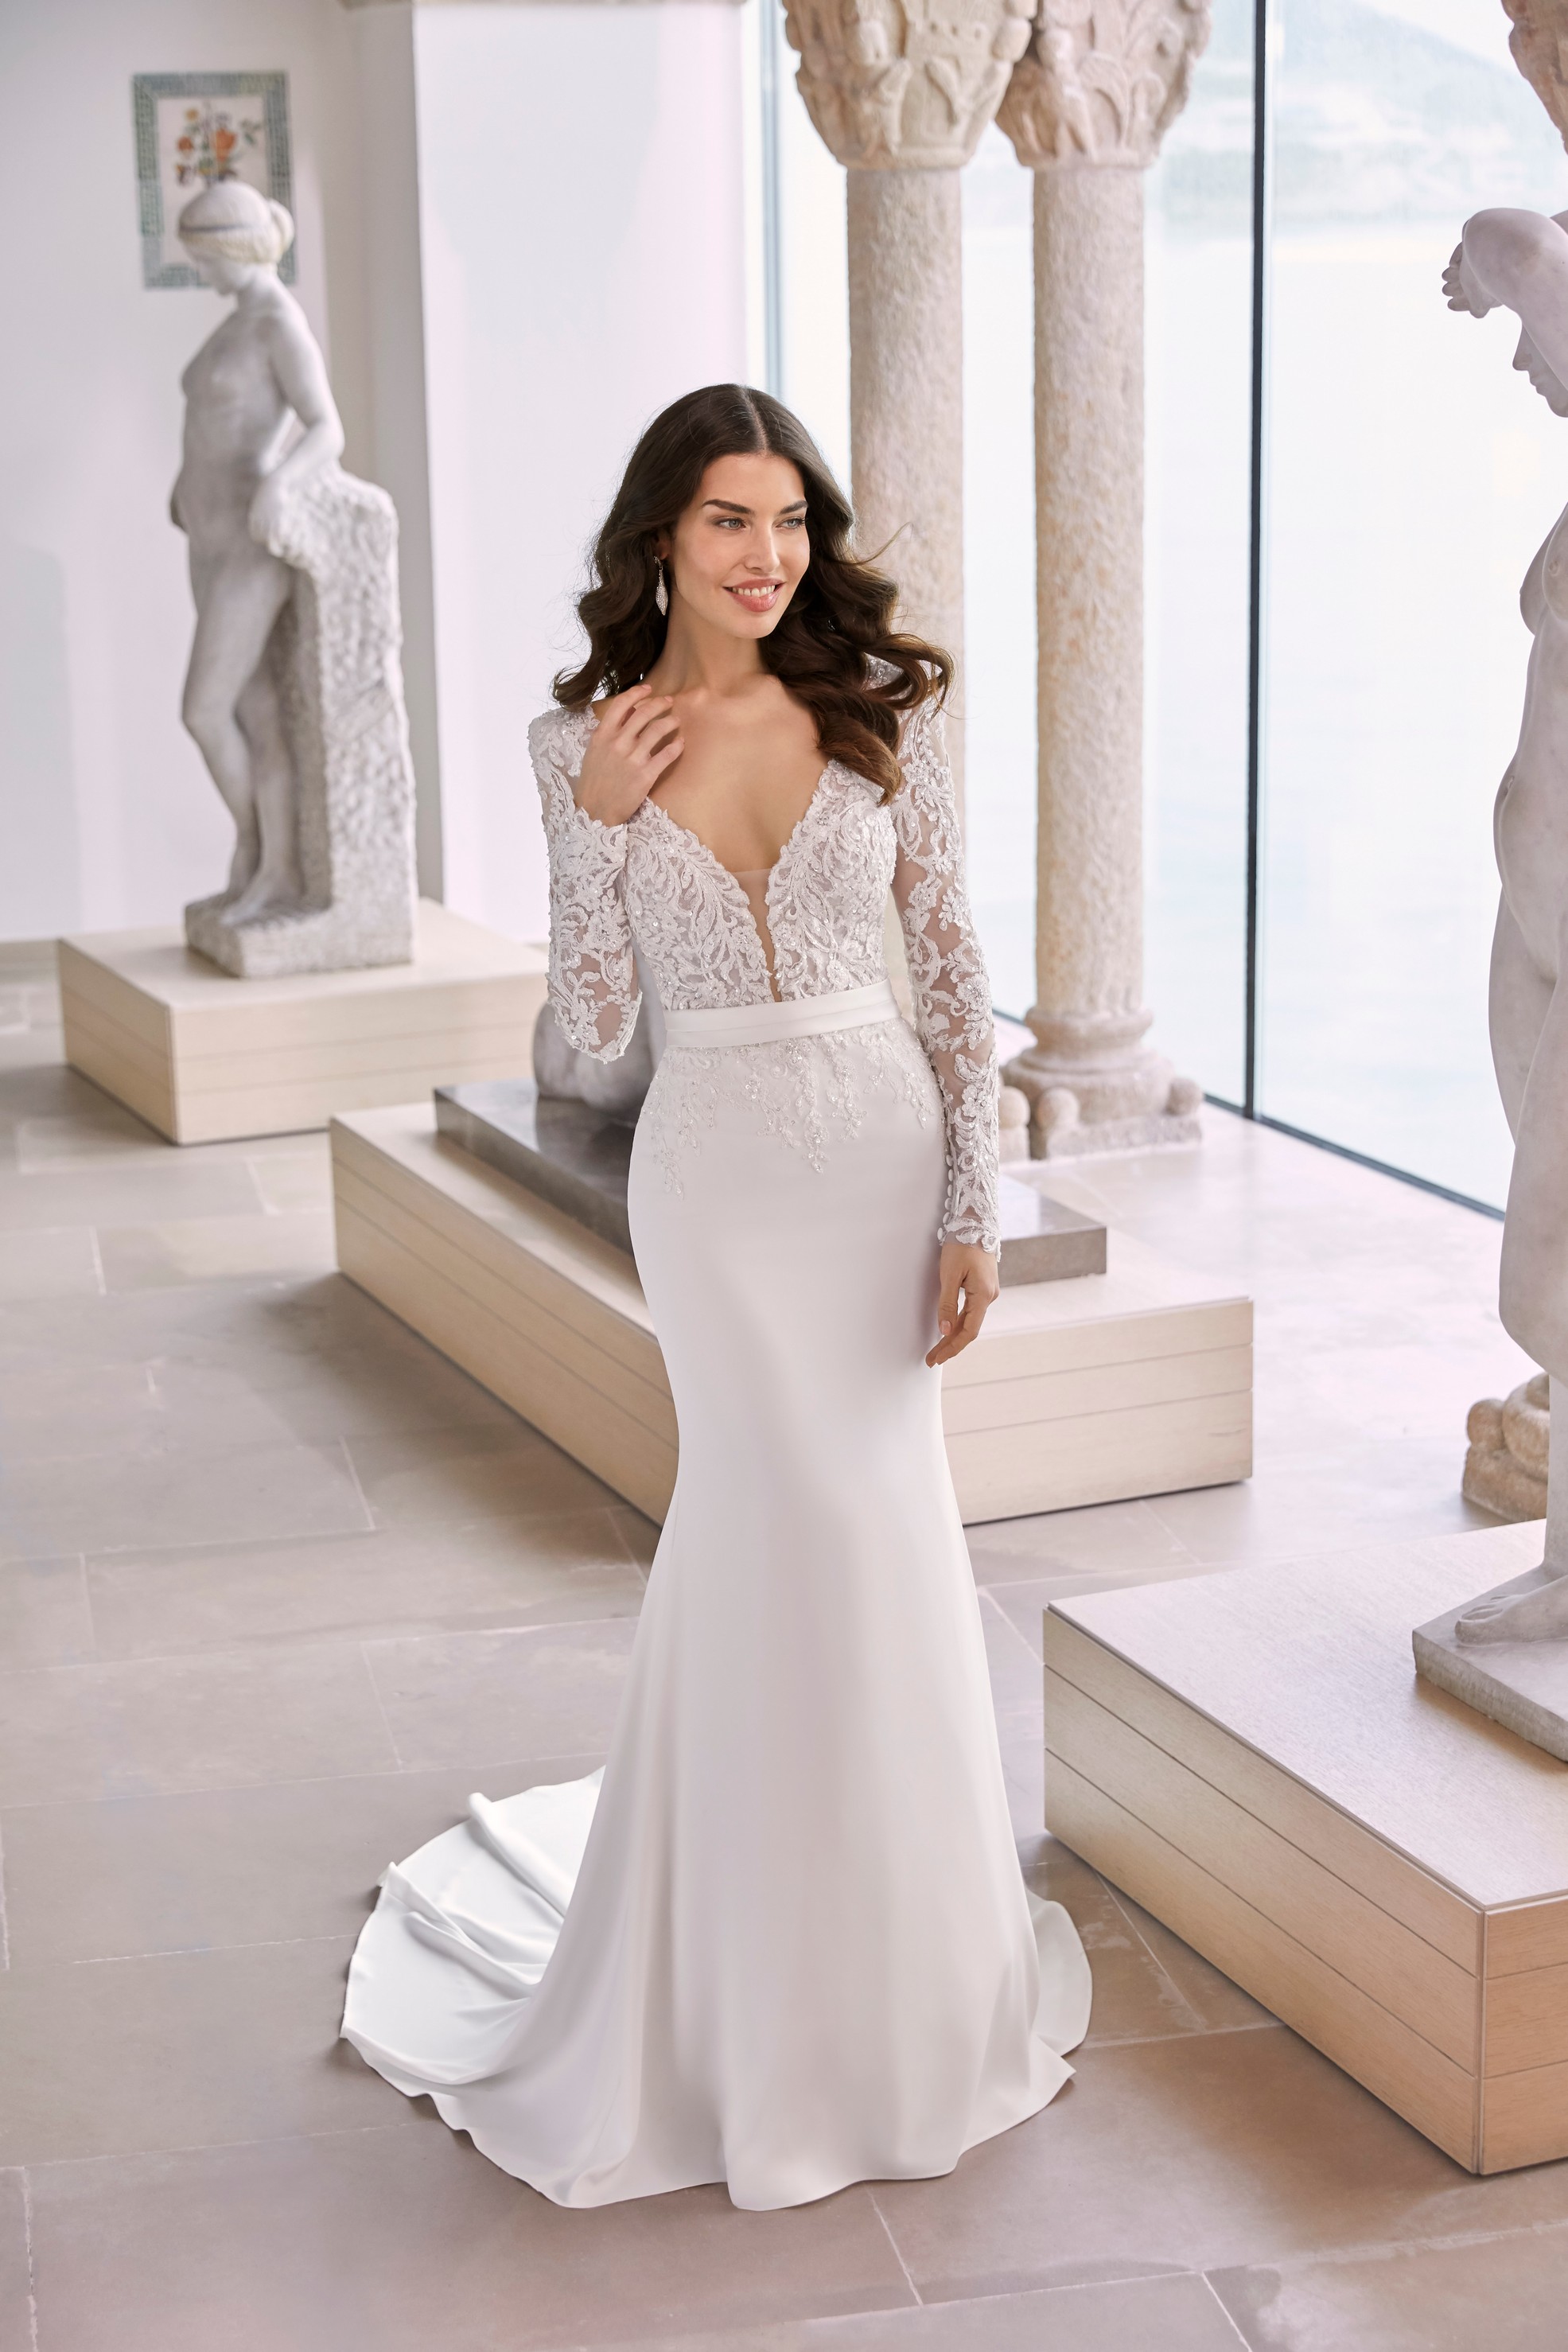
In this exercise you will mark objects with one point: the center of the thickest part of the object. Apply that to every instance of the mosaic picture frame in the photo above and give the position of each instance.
(199, 127)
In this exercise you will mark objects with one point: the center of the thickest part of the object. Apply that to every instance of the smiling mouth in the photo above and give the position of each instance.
(759, 598)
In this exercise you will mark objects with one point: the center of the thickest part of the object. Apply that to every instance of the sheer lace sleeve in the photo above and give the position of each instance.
(947, 975)
(592, 972)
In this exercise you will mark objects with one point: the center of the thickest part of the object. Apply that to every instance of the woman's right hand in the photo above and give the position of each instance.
(637, 737)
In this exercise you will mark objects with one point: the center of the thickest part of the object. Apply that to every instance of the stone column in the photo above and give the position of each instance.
(901, 90)
(1085, 110)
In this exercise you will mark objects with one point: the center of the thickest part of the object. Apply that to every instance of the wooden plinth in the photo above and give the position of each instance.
(1253, 1759)
(1135, 1382)
(201, 1056)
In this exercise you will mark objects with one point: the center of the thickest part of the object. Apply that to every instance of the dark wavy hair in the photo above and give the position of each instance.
(838, 623)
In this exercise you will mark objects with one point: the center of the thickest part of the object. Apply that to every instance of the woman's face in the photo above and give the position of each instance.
(738, 553)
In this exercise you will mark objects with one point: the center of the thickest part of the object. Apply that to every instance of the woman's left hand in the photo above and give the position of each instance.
(965, 1269)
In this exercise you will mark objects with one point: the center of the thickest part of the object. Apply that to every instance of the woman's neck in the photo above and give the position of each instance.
(697, 659)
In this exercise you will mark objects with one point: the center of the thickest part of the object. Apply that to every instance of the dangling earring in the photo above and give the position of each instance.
(660, 593)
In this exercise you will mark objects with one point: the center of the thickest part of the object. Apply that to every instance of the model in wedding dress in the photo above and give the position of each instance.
(782, 1941)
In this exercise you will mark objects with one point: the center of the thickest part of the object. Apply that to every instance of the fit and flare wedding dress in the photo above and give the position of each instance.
(782, 1941)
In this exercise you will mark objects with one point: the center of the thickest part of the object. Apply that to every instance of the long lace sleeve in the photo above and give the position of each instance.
(593, 971)
(947, 976)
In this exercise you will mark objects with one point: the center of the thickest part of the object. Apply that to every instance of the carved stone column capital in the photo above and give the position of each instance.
(1103, 80)
(905, 84)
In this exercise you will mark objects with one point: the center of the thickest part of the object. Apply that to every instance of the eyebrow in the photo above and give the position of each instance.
(730, 507)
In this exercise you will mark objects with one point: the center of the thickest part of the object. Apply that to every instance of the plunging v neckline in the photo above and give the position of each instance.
(766, 945)
(712, 856)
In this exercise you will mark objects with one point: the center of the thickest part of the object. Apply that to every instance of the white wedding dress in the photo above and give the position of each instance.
(782, 1941)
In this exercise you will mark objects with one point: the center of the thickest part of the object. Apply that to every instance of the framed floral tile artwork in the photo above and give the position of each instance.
(193, 129)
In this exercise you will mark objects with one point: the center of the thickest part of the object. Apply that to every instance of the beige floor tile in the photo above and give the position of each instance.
(1135, 1998)
(1111, 1538)
(215, 1868)
(133, 1194)
(294, 1183)
(50, 1262)
(1214, 1999)
(215, 1249)
(417, 1581)
(1364, 1495)
(407, 2240)
(1017, 1675)
(208, 1722)
(448, 1477)
(187, 1496)
(1507, 2294)
(367, 1388)
(94, 1131)
(58, 1411)
(181, 2050)
(1178, 2313)
(641, 1536)
(45, 1619)
(1197, 2151)
(465, 1698)
(16, 2315)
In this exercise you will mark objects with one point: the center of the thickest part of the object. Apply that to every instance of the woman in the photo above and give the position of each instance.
(789, 1946)
(255, 380)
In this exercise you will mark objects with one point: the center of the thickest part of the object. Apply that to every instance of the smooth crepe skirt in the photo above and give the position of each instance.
(789, 1946)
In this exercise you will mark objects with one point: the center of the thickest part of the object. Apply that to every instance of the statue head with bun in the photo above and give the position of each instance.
(231, 231)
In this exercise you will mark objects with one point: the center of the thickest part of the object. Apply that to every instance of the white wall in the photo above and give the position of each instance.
(585, 236)
(523, 229)
(107, 816)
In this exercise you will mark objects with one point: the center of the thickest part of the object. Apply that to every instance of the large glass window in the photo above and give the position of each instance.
(1409, 479)
(1197, 331)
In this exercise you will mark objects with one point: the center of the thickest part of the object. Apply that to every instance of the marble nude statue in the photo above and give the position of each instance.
(293, 691)
(1519, 261)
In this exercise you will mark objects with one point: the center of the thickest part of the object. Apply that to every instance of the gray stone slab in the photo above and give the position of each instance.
(578, 1159)
(1524, 1685)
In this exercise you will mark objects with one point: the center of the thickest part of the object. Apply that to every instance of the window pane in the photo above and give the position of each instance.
(1198, 360)
(1411, 477)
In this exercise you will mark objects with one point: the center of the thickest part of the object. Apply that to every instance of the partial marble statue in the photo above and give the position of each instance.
(904, 84)
(1519, 261)
(294, 693)
(1510, 1451)
(1539, 41)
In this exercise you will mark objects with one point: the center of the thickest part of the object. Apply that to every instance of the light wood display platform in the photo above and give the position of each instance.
(1135, 1381)
(1252, 1758)
(202, 1056)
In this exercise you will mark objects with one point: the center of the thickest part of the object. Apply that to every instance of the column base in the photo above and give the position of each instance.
(1080, 1111)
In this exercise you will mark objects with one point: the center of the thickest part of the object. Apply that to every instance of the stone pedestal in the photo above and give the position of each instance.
(1085, 110)
(202, 1057)
(579, 1160)
(1252, 1759)
(1135, 1381)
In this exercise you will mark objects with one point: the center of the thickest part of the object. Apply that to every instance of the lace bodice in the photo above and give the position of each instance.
(651, 880)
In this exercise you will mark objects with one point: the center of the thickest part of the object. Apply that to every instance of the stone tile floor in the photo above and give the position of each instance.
(278, 1586)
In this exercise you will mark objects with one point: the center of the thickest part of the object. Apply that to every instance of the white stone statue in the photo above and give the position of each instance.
(1519, 261)
(293, 692)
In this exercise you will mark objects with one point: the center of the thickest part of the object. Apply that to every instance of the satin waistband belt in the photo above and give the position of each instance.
(797, 1016)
